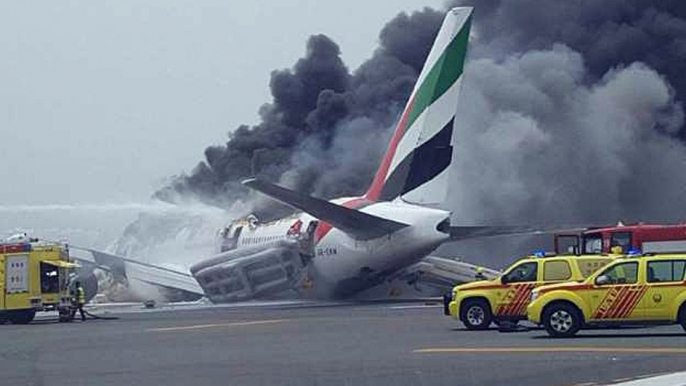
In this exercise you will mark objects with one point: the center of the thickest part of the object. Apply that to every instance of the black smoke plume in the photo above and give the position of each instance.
(571, 111)
(325, 129)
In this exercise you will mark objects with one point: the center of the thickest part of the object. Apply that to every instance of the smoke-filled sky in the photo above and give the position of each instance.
(102, 101)
(572, 111)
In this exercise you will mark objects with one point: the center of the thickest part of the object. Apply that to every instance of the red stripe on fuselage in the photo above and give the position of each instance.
(377, 185)
(324, 227)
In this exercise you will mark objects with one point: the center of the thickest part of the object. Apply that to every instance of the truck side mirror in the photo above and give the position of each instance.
(503, 279)
(602, 280)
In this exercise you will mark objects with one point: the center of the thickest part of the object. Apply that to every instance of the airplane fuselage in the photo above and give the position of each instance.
(339, 264)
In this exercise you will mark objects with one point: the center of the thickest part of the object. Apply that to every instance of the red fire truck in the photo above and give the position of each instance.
(643, 238)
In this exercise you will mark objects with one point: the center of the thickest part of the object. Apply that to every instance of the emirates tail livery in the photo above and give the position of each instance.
(337, 248)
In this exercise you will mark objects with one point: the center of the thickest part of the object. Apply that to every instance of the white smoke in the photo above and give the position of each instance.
(92, 225)
(178, 237)
(155, 232)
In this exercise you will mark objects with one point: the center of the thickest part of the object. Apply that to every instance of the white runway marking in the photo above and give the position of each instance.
(416, 306)
(674, 379)
(580, 349)
(214, 325)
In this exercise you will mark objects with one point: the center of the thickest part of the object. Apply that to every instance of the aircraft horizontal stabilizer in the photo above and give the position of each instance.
(353, 222)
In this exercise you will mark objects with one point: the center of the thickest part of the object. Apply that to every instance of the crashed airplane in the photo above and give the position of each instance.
(349, 246)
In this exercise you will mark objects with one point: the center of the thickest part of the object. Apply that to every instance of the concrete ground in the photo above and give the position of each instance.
(332, 344)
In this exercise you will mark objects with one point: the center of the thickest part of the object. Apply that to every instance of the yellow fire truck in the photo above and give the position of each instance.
(34, 276)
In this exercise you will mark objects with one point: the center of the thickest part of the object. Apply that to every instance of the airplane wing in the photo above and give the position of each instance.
(431, 277)
(136, 270)
(475, 232)
(353, 222)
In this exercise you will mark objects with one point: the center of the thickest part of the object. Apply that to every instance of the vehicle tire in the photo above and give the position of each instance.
(22, 317)
(561, 320)
(476, 314)
(682, 316)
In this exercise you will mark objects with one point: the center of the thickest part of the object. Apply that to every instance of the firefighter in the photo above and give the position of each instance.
(80, 299)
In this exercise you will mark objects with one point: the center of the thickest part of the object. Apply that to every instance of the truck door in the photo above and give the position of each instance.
(664, 281)
(616, 294)
(515, 294)
(2, 282)
(49, 278)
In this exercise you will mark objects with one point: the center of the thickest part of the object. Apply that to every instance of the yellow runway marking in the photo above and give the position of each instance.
(490, 350)
(203, 326)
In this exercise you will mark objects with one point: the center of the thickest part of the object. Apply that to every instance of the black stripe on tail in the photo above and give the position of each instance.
(422, 165)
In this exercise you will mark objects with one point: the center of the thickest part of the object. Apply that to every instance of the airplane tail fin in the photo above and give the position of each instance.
(415, 166)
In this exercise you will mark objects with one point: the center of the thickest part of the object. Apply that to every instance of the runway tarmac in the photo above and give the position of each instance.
(323, 344)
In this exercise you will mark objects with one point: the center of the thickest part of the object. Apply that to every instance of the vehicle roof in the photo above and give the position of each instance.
(650, 257)
(568, 257)
(633, 227)
(662, 256)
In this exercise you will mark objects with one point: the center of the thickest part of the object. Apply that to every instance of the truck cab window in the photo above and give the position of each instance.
(621, 239)
(567, 244)
(593, 243)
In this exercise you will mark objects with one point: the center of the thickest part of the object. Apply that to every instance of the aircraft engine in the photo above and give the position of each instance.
(251, 272)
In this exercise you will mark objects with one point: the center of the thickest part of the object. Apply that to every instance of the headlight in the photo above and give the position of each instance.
(454, 294)
(534, 295)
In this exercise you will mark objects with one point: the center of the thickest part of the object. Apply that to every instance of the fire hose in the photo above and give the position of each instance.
(93, 316)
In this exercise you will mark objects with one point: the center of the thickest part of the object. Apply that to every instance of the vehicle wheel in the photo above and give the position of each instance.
(561, 320)
(22, 317)
(476, 314)
(682, 316)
